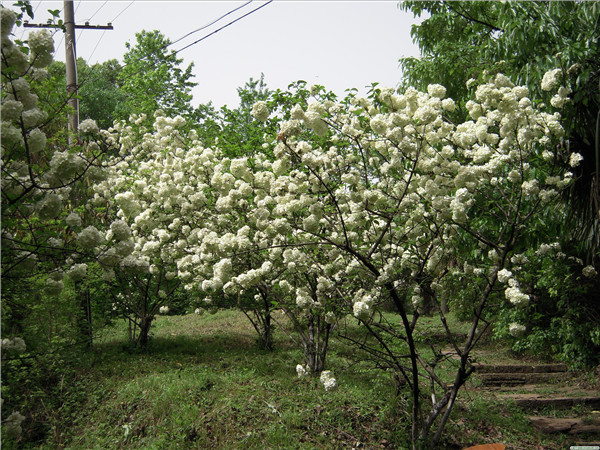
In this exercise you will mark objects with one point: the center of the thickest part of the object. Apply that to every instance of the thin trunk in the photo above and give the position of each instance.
(144, 331)
(85, 321)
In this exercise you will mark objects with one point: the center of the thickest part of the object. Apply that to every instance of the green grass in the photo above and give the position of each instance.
(204, 383)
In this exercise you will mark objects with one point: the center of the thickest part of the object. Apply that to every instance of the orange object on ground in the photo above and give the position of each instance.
(487, 447)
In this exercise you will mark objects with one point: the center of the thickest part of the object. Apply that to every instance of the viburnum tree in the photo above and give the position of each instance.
(44, 182)
(398, 188)
(364, 202)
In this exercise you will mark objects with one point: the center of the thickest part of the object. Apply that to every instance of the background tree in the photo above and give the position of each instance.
(151, 78)
(100, 94)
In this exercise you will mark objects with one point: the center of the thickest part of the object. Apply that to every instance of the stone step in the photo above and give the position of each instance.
(570, 425)
(516, 379)
(520, 368)
(536, 401)
(543, 390)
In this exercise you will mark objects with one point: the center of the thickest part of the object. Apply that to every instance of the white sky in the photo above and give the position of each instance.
(339, 44)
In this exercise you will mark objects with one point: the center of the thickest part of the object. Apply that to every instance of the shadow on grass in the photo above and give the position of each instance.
(218, 352)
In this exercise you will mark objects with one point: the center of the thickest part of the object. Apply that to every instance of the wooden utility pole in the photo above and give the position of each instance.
(71, 63)
(71, 58)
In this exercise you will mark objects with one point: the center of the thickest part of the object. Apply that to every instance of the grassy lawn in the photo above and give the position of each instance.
(204, 383)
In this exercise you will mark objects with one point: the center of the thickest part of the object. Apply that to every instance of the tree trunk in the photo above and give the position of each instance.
(145, 323)
(267, 335)
(85, 321)
(428, 308)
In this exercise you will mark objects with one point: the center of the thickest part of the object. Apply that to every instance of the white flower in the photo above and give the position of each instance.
(531, 187)
(88, 126)
(575, 159)
(557, 101)
(50, 206)
(504, 275)
(436, 90)
(36, 140)
(330, 318)
(163, 309)
(589, 271)
(328, 380)
(517, 330)
(120, 230)
(260, 111)
(53, 287)
(12, 424)
(515, 296)
(77, 272)
(11, 109)
(17, 344)
(89, 238)
(550, 79)
(302, 371)
(8, 18)
(362, 310)
(41, 46)
(199, 311)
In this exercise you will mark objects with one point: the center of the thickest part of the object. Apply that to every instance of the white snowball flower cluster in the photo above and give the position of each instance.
(504, 275)
(89, 126)
(328, 380)
(260, 111)
(77, 272)
(41, 46)
(12, 424)
(589, 272)
(89, 238)
(362, 308)
(73, 220)
(514, 294)
(16, 344)
(551, 79)
(8, 18)
(575, 159)
(302, 371)
(517, 330)
(164, 309)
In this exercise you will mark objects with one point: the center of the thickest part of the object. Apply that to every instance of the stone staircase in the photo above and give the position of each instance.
(544, 391)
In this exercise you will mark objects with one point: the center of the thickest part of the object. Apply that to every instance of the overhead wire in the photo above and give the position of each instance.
(209, 24)
(183, 37)
(202, 27)
(126, 8)
(34, 11)
(97, 11)
(222, 28)
(104, 31)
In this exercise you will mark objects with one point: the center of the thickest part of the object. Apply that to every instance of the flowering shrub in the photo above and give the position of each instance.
(350, 205)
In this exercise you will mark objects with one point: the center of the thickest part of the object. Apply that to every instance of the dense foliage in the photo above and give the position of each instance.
(462, 40)
(328, 210)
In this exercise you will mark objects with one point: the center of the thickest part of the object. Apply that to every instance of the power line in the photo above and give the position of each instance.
(98, 10)
(211, 23)
(96, 46)
(126, 8)
(219, 29)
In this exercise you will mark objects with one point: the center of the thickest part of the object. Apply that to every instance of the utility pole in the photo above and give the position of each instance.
(71, 58)
(71, 63)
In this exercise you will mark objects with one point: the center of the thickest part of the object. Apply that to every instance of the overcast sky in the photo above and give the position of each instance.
(339, 44)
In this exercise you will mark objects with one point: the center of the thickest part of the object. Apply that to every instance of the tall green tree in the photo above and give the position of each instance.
(151, 78)
(100, 94)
